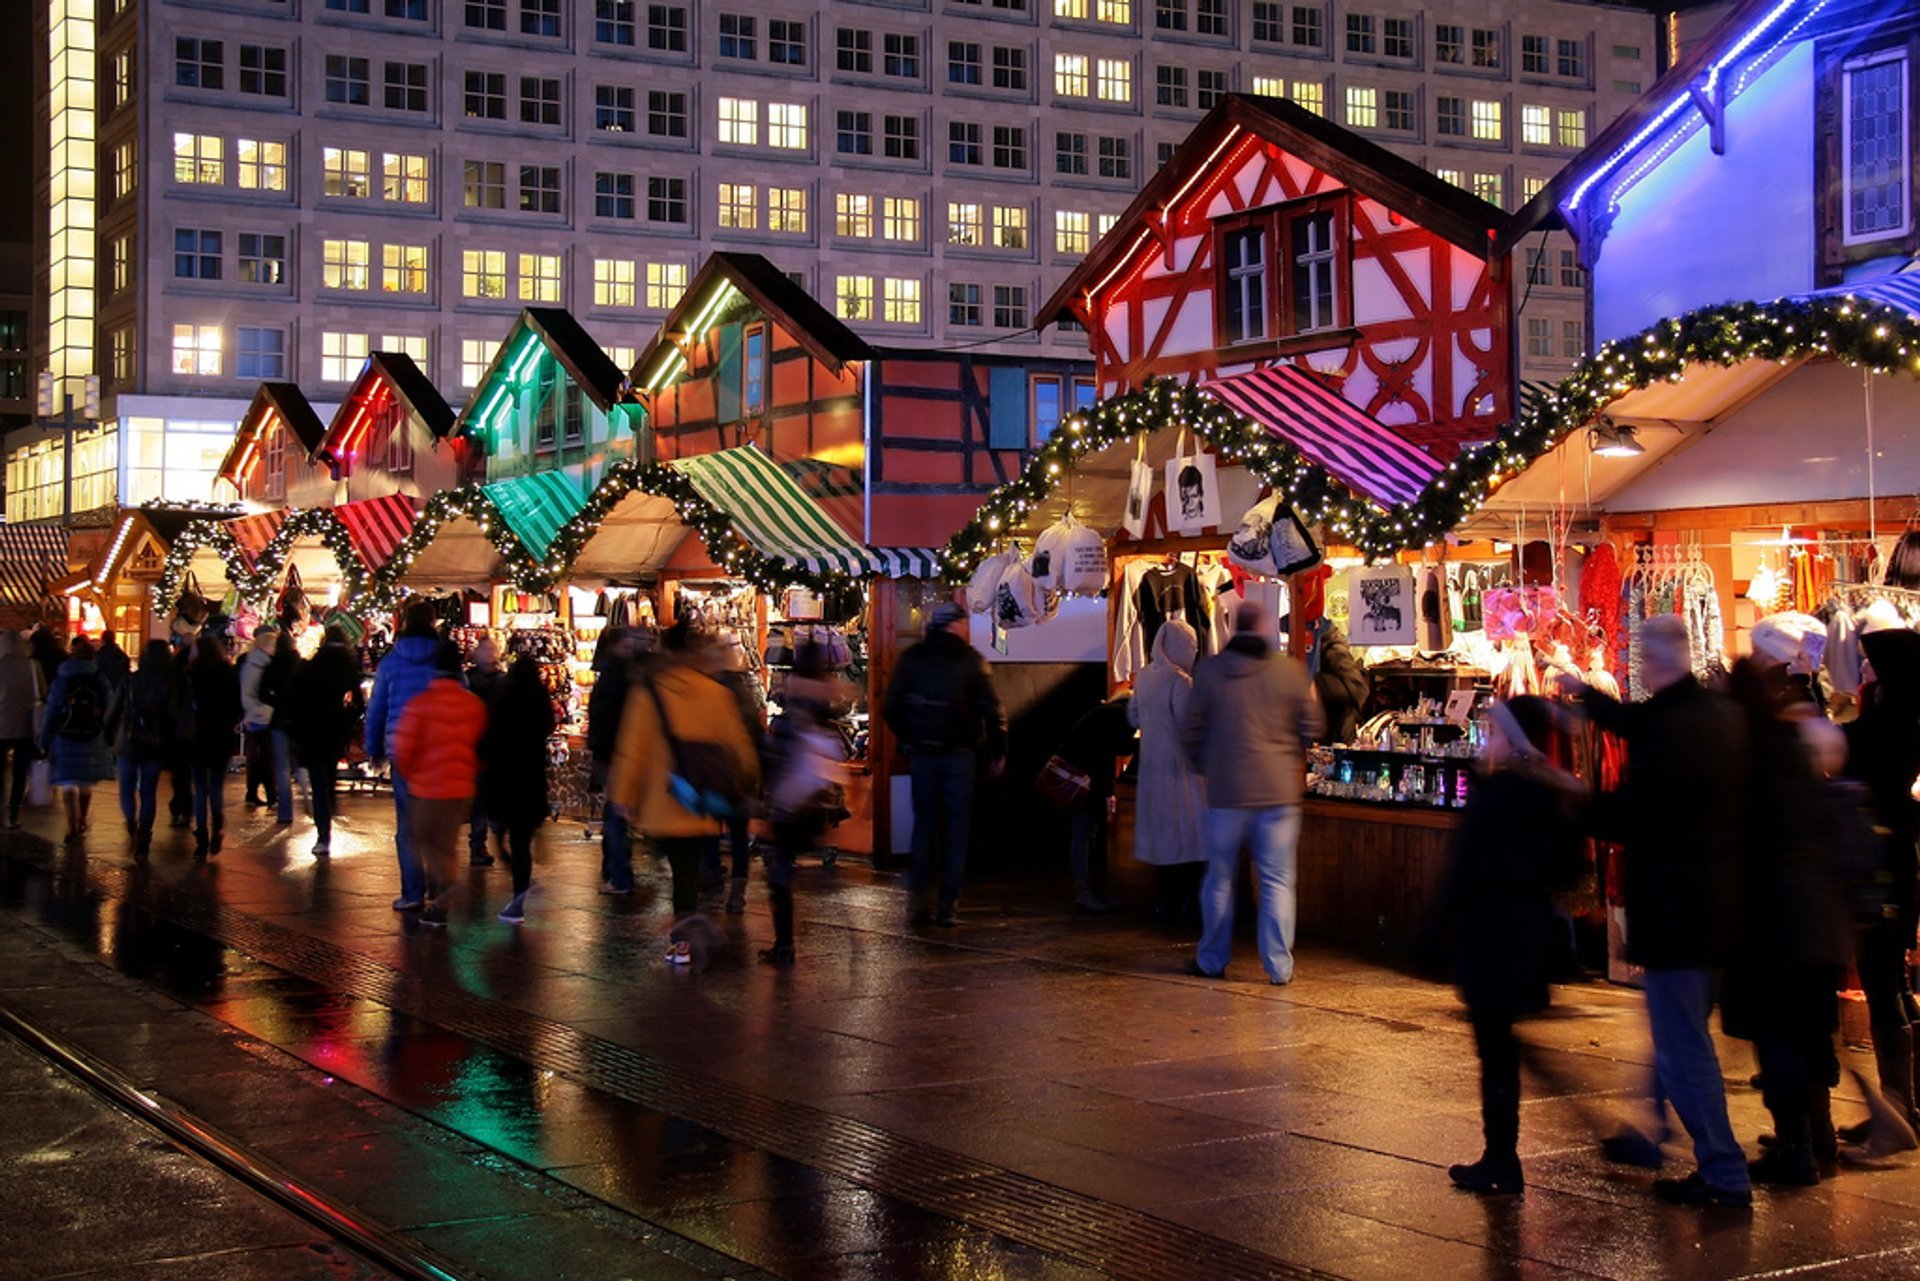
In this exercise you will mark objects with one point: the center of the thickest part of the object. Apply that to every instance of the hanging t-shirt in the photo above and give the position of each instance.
(1171, 591)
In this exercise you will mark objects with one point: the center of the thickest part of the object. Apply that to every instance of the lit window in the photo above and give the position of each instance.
(1531, 186)
(900, 301)
(343, 264)
(196, 350)
(475, 355)
(787, 125)
(787, 210)
(1072, 231)
(403, 178)
(483, 273)
(853, 215)
(1120, 11)
(853, 297)
(1009, 227)
(1489, 187)
(539, 277)
(1487, 122)
(1536, 126)
(341, 356)
(740, 121)
(1310, 95)
(1570, 127)
(1106, 222)
(1363, 108)
(623, 357)
(1070, 8)
(966, 224)
(403, 269)
(346, 172)
(197, 158)
(412, 346)
(615, 283)
(125, 171)
(261, 166)
(900, 218)
(1115, 76)
(1070, 75)
(1269, 86)
(739, 206)
(1453, 176)
(666, 282)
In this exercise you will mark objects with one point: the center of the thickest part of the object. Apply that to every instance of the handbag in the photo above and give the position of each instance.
(40, 783)
(292, 609)
(1065, 786)
(191, 610)
(704, 779)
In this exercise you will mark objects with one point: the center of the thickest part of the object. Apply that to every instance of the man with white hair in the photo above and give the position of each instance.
(1678, 819)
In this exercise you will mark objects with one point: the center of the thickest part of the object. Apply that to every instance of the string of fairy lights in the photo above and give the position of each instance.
(1862, 333)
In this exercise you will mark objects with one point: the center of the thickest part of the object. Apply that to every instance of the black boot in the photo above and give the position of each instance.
(199, 842)
(213, 846)
(782, 896)
(1491, 1175)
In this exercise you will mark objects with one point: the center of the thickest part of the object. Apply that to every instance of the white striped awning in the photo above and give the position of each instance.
(1535, 393)
(1357, 449)
(905, 562)
(31, 557)
(1901, 289)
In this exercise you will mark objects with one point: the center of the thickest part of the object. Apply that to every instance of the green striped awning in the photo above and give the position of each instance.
(773, 513)
(535, 507)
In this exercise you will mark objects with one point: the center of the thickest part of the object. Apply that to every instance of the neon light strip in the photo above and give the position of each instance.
(518, 367)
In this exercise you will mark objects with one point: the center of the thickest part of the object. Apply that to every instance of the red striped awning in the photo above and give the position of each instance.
(378, 526)
(253, 533)
(1357, 449)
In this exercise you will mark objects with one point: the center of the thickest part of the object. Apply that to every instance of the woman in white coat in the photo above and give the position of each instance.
(1170, 814)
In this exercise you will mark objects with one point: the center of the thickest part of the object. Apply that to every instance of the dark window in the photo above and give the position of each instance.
(667, 200)
(263, 70)
(1486, 48)
(963, 62)
(853, 133)
(348, 6)
(486, 95)
(902, 56)
(614, 22)
(411, 10)
(667, 27)
(260, 353)
(1571, 59)
(1170, 86)
(963, 143)
(199, 64)
(539, 189)
(262, 258)
(1396, 38)
(787, 42)
(1269, 22)
(1070, 153)
(1010, 306)
(1572, 274)
(1533, 55)
(1398, 111)
(737, 39)
(1212, 89)
(406, 86)
(613, 108)
(1163, 152)
(963, 305)
(1009, 147)
(1009, 68)
(666, 113)
(853, 50)
(1360, 33)
(1170, 15)
(1449, 44)
(539, 100)
(487, 15)
(1314, 270)
(1309, 27)
(1116, 158)
(347, 80)
(613, 195)
(1450, 117)
(1210, 17)
(485, 186)
(901, 137)
(1244, 310)
(539, 17)
(196, 254)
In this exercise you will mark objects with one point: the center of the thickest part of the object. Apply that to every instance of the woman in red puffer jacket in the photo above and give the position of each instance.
(436, 750)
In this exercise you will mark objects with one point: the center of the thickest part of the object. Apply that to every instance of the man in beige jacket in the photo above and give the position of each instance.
(1247, 726)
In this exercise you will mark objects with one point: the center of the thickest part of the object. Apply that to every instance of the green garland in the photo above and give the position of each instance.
(1862, 333)
(256, 583)
(469, 502)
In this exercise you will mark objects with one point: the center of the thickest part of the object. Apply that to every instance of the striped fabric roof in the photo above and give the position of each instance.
(1534, 393)
(378, 526)
(536, 506)
(905, 562)
(774, 514)
(1899, 290)
(253, 533)
(31, 557)
(1364, 455)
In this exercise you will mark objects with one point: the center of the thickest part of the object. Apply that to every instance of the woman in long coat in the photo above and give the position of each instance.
(73, 733)
(513, 763)
(213, 683)
(1170, 811)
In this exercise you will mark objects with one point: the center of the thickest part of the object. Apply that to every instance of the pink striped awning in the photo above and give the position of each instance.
(378, 526)
(1357, 449)
(253, 533)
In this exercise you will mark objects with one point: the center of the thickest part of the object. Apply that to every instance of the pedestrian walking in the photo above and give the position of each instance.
(1092, 749)
(485, 678)
(613, 661)
(942, 705)
(406, 670)
(115, 665)
(1246, 730)
(682, 762)
(1518, 842)
(275, 686)
(73, 735)
(1678, 820)
(180, 760)
(257, 729)
(213, 686)
(436, 749)
(751, 699)
(321, 708)
(1169, 816)
(143, 722)
(45, 649)
(20, 696)
(513, 772)
(804, 761)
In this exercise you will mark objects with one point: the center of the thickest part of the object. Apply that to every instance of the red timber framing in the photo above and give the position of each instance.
(391, 435)
(1421, 332)
(273, 445)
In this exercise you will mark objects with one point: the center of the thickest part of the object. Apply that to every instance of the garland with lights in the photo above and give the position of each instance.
(256, 583)
(1860, 332)
(469, 502)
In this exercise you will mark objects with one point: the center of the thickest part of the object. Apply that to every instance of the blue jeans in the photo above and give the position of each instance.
(942, 816)
(413, 877)
(1273, 836)
(139, 782)
(209, 796)
(283, 773)
(616, 852)
(1679, 1003)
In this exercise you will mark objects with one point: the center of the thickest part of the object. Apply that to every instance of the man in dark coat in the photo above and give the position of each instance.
(941, 703)
(1679, 821)
(613, 660)
(1339, 680)
(485, 677)
(1093, 746)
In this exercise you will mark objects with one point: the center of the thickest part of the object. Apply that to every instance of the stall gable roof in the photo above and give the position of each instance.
(32, 556)
(1369, 169)
(396, 371)
(554, 328)
(816, 329)
(291, 404)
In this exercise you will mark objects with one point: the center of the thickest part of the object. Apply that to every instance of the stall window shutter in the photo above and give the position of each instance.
(1007, 409)
(726, 384)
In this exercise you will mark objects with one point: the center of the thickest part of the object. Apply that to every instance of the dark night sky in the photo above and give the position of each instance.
(16, 120)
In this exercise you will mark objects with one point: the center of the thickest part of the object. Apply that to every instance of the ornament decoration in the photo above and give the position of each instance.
(1862, 332)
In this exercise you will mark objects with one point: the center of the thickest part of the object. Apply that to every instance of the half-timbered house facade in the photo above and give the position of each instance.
(273, 461)
(393, 434)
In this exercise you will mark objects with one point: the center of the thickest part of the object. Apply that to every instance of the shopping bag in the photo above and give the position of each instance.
(40, 784)
(1139, 492)
(1193, 491)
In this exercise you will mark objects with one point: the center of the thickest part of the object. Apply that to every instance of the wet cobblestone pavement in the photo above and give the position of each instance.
(1033, 1095)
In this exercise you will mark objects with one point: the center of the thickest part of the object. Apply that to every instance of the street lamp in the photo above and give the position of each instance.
(90, 412)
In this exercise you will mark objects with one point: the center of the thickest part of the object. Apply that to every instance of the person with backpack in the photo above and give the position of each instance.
(941, 703)
(73, 734)
(20, 690)
(436, 749)
(682, 764)
(405, 671)
(142, 721)
(257, 729)
(320, 710)
(213, 688)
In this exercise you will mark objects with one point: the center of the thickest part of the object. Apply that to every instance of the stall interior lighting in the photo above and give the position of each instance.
(1614, 440)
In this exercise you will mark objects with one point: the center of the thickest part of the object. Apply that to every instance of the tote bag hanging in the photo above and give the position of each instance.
(1272, 541)
(1193, 490)
(1139, 492)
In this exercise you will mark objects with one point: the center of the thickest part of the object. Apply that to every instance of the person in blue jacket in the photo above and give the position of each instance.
(401, 675)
